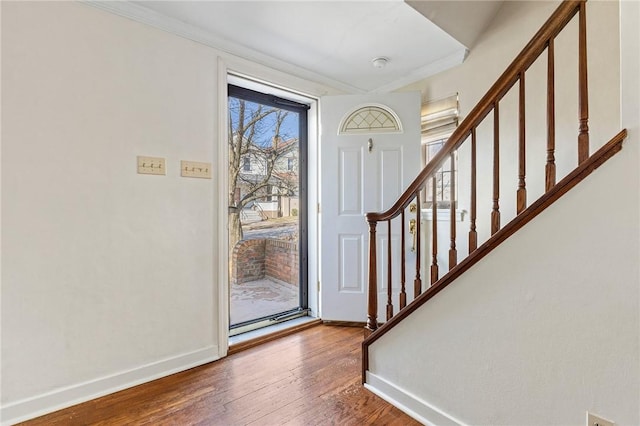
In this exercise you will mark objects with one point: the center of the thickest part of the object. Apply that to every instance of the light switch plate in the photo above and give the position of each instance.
(195, 169)
(594, 420)
(151, 166)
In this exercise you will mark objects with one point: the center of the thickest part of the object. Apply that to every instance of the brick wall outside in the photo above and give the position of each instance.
(281, 260)
(255, 259)
(248, 261)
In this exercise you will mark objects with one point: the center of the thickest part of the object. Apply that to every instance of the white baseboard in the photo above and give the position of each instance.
(39, 405)
(410, 404)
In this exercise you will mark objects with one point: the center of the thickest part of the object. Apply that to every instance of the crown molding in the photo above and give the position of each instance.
(433, 68)
(174, 26)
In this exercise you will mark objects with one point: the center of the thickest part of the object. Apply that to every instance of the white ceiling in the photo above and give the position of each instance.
(465, 20)
(332, 42)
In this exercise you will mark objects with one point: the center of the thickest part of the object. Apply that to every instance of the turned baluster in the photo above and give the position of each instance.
(434, 232)
(495, 213)
(403, 294)
(473, 234)
(453, 252)
(389, 285)
(417, 283)
(550, 168)
(521, 195)
(583, 137)
(372, 311)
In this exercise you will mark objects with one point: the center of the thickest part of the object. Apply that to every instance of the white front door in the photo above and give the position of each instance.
(362, 171)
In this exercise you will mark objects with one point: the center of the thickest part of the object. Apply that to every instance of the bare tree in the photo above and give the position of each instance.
(255, 138)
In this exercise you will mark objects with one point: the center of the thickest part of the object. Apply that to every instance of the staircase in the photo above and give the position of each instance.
(400, 307)
(250, 216)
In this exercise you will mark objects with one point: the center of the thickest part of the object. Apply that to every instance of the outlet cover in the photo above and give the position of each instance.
(195, 169)
(151, 166)
(595, 420)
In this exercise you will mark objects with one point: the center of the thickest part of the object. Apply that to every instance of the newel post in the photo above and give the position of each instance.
(372, 308)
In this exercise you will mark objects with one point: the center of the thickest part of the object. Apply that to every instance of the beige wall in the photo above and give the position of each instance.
(104, 271)
(111, 278)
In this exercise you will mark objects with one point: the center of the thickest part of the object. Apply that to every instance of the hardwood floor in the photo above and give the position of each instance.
(308, 378)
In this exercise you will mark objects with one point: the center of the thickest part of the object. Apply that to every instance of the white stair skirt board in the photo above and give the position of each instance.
(410, 404)
(71, 395)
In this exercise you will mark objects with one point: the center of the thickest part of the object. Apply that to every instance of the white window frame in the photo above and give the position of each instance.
(439, 118)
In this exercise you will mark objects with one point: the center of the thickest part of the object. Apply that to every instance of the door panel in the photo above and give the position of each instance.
(350, 185)
(390, 176)
(350, 266)
(359, 176)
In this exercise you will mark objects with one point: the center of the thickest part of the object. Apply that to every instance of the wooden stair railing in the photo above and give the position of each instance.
(515, 73)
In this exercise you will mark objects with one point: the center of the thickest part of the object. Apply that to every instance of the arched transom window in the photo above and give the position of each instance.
(371, 119)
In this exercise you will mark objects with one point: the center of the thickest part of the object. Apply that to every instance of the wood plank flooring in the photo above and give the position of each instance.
(308, 378)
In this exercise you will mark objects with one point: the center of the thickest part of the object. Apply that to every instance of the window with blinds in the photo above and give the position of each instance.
(439, 118)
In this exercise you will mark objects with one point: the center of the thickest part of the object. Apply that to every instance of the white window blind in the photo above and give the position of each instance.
(439, 118)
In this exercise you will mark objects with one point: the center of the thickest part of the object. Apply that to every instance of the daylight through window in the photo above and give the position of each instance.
(439, 118)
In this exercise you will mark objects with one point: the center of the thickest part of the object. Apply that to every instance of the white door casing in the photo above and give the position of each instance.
(355, 180)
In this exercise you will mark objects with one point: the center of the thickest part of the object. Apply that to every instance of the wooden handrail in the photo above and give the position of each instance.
(515, 72)
(490, 103)
(583, 170)
(523, 61)
(525, 212)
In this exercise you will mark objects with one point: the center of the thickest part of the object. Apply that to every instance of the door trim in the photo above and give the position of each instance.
(222, 227)
(229, 71)
(262, 97)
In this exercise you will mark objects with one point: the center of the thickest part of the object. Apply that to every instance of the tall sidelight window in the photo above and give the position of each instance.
(439, 118)
(267, 209)
(443, 176)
